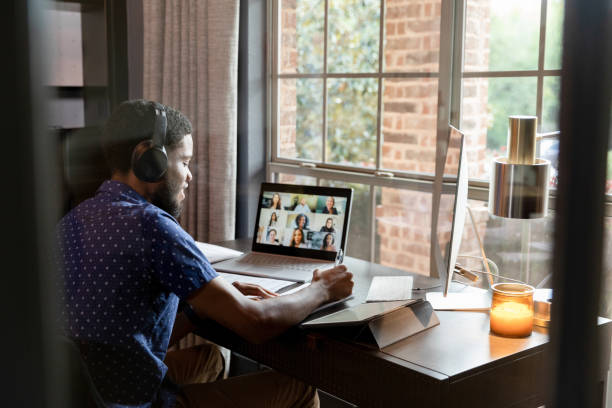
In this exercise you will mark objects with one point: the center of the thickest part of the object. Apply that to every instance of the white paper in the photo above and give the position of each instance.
(390, 288)
(273, 285)
(469, 299)
(216, 253)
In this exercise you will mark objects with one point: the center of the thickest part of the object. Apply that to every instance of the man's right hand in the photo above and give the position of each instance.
(337, 282)
(260, 321)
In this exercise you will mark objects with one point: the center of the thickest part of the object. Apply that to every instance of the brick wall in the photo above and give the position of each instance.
(412, 43)
(409, 128)
(287, 92)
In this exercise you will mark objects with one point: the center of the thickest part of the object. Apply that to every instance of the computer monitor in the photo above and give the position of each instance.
(450, 207)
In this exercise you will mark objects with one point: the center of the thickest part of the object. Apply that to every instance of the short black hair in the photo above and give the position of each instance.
(132, 122)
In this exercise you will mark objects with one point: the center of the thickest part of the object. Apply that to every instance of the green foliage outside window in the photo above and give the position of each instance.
(353, 42)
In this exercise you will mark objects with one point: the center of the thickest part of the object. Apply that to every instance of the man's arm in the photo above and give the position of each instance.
(258, 321)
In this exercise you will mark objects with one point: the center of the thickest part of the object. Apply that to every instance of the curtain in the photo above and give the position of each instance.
(190, 62)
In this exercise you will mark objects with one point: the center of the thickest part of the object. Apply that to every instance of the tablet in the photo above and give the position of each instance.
(357, 315)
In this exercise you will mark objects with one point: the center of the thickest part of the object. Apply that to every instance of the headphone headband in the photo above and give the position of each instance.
(160, 127)
(149, 158)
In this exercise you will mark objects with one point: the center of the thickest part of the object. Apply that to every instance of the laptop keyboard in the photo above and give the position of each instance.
(282, 262)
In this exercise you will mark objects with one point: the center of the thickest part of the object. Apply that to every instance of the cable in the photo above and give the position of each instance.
(493, 264)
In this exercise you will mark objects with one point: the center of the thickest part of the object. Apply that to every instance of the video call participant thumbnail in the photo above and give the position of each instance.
(301, 221)
(329, 206)
(273, 220)
(276, 202)
(271, 238)
(329, 226)
(298, 239)
(302, 207)
(328, 242)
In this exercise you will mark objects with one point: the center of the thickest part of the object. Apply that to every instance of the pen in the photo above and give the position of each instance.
(339, 257)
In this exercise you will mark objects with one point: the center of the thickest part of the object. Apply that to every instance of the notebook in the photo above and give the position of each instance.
(298, 229)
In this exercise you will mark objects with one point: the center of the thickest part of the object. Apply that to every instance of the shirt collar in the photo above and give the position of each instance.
(120, 189)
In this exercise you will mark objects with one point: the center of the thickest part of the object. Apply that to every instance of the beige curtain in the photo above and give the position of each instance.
(191, 63)
(190, 60)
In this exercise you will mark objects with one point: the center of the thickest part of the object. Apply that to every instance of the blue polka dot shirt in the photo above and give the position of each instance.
(126, 264)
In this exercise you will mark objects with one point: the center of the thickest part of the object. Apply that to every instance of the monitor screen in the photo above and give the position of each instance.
(311, 219)
(452, 206)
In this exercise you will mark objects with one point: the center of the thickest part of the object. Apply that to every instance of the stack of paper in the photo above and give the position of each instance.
(390, 288)
(216, 253)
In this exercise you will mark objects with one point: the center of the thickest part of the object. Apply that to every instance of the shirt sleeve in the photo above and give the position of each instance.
(176, 261)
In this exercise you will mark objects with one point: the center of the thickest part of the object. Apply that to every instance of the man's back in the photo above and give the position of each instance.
(126, 263)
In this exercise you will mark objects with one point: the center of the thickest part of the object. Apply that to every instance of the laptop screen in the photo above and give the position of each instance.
(303, 221)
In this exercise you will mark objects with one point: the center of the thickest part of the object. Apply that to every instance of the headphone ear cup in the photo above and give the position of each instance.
(149, 162)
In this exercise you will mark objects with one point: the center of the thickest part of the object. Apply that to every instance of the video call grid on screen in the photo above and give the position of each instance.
(302, 220)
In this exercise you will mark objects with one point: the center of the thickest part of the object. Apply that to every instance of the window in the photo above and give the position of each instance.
(511, 66)
(360, 90)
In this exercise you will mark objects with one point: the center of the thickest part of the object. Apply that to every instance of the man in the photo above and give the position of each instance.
(126, 264)
(302, 207)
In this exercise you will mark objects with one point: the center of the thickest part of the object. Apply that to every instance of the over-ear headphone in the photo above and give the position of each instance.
(149, 159)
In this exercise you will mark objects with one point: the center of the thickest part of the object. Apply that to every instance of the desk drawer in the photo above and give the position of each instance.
(519, 383)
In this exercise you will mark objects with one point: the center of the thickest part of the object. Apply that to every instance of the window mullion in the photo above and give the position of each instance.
(381, 37)
(324, 114)
(457, 63)
(372, 231)
(541, 55)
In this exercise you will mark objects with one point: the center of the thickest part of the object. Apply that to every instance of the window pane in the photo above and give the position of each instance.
(522, 249)
(354, 29)
(412, 36)
(403, 229)
(609, 177)
(551, 103)
(296, 179)
(485, 107)
(301, 35)
(358, 241)
(606, 293)
(300, 118)
(351, 121)
(504, 34)
(554, 34)
(410, 109)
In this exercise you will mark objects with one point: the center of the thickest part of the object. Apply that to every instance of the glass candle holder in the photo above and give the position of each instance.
(512, 309)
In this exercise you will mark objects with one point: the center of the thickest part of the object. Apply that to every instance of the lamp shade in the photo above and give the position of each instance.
(519, 190)
(519, 183)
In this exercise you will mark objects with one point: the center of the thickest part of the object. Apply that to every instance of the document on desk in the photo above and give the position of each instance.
(273, 285)
(216, 253)
(474, 299)
(390, 288)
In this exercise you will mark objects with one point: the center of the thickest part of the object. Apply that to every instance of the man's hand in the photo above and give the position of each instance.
(250, 289)
(337, 282)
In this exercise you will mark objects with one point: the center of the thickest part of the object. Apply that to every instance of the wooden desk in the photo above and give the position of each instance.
(456, 364)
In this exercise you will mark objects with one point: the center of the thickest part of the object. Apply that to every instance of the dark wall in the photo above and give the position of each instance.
(251, 170)
(32, 373)
(586, 87)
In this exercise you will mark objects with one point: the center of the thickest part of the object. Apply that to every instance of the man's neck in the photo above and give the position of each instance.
(144, 189)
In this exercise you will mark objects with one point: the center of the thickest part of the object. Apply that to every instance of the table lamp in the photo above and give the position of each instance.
(519, 182)
(518, 189)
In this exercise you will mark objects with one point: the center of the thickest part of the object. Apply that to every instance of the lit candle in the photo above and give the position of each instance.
(512, 319)
(512, 309)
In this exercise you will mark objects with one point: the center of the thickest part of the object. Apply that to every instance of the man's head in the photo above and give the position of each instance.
(132, 123)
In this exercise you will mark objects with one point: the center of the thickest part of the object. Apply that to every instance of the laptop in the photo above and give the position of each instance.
(298, 229)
